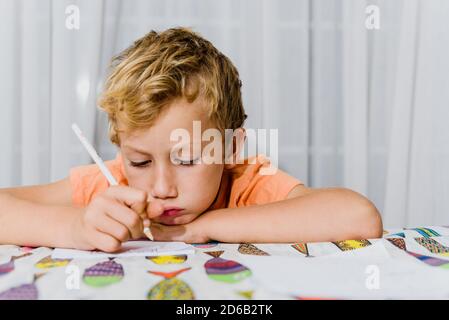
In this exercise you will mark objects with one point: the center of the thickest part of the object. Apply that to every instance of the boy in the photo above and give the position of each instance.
(163, 83)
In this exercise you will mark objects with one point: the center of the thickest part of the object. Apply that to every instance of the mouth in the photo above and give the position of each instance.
(171, 212)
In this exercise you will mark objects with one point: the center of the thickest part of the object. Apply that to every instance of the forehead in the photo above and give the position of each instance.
(179, 114)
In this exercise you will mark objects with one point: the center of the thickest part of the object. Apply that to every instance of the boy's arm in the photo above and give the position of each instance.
(44, 216)
(37, 215)
(56, 193)
(308, 215)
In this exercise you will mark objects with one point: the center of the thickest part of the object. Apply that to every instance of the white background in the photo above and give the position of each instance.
(364, 109)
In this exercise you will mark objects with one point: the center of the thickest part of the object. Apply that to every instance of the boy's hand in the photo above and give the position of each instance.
(110, 219)
(193, 232)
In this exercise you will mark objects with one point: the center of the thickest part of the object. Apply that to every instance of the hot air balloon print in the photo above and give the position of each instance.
(250, 249)
(431, 261)
(9, 266)
(433, 246)
(26, 291)
(103, 274)
(302, 247)
(173, 259)
(171, 288)
(425, 232)
(205, 245)
(27, 249)
(48, 262)
(399, 234)
(248, 294)
(225, 270)
(398, 242)
(346, 245)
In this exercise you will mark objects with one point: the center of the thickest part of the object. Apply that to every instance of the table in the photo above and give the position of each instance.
(410, 262)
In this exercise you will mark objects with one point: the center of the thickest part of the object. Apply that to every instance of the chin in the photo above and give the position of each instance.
(177, 220)
(170, 223)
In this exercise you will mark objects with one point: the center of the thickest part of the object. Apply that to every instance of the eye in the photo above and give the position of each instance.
(140, 164)
(189, 162)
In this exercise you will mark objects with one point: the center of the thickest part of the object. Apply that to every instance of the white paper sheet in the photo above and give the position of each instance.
(367, 273)
(129, 249)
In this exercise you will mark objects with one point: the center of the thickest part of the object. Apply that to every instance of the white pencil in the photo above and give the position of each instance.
(103, 167)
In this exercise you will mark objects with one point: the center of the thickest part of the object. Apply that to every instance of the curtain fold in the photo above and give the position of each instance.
(398, 172)
(417, 176)
(355, 96)
(358, 108)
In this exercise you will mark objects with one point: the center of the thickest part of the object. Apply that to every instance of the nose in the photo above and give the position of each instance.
(163, 184)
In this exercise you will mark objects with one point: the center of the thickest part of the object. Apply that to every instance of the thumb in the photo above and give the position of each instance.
(154, 209)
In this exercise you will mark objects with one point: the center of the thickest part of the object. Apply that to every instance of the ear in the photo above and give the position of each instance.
(237, 144)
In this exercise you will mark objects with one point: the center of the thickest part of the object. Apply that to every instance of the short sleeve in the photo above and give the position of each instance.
(252, 187)
(88, 181)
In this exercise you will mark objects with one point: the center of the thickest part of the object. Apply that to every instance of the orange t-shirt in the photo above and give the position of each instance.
(241, 186)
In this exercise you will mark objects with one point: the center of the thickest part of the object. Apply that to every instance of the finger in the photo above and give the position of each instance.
(154, 209)
(134, 198)
(127, 217)
(106, 242)
(143, 215)
(113, 228)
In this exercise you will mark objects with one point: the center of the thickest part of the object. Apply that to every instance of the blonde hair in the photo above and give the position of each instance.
(161, 67)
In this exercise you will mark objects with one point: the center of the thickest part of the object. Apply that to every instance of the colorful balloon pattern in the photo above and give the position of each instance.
(301, 247)
(48, 262)
(250, 249)
(26, 291)
(174, 259)
(433, 246)
(398, 242)
(425, 232)
(205, 245)
(9, 266)
(351, 244)
(103, 274)
(171, 288)
(431, 261)
(224, 270)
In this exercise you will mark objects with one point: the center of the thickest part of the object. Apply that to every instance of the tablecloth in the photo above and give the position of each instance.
(414, 264)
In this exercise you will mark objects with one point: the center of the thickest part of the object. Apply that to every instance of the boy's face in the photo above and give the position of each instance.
(147, 156)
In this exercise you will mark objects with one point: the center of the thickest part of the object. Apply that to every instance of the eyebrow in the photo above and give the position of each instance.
(149, 154)
(136, 150)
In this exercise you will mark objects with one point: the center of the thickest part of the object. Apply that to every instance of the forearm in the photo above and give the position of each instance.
(325, 215)
(24, 222)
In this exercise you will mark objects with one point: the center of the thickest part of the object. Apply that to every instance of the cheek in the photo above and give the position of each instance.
(203, 184)
(136, 177)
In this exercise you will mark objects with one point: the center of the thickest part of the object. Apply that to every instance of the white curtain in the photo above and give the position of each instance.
(360, 108)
